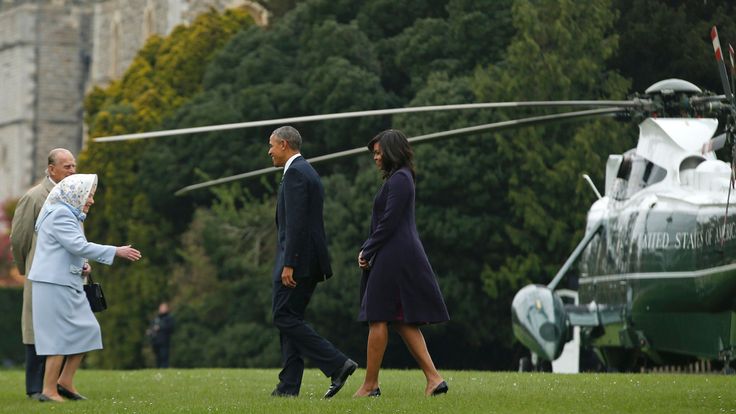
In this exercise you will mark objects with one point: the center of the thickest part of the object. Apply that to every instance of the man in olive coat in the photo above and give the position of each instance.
(61, 164)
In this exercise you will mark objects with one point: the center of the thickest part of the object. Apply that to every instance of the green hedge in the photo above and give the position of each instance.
(11, 343)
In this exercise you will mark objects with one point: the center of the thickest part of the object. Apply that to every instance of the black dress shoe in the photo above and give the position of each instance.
(277, 393)
(441, 388)
(340, 377)
(35, 396)
(68, 394)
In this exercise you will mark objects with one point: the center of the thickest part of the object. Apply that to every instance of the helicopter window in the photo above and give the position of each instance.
(654, 173)
(625, 169)
(620, 183)
(643, 174)
(648, 171)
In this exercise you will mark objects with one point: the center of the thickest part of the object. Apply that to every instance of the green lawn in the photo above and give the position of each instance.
(247, 391)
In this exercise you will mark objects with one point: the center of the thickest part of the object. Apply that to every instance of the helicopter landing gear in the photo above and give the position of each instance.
(621, 360)
(727, 355)
(534, 364)
(525, 364)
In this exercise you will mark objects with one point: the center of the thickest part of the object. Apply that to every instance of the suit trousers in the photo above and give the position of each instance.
(35, 367)
(298, 339)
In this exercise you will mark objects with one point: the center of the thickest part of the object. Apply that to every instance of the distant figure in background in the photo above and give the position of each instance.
(301, 262)
(61, 164)
(63, 323)
(398, 286)
(160, 332)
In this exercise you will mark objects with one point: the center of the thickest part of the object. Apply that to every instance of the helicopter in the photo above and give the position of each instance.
(654, 254)
(657, 268)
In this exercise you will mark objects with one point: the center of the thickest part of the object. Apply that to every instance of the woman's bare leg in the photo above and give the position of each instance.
(414, 340)
(51, 376)
(66, 379)
(377, 341)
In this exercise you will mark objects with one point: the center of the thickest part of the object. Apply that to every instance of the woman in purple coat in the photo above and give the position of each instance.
(398, 286)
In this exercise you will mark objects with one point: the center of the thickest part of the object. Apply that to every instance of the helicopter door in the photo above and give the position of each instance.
(612, 166)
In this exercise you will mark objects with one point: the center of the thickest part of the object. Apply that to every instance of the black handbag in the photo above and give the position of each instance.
(95, 297)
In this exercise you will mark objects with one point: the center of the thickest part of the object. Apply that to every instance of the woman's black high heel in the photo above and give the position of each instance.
(441, 388)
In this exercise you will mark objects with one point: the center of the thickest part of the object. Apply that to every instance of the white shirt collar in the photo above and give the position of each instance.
(290, 160)
(52, 181)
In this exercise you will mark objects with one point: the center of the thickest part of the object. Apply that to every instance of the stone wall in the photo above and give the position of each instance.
(121, 28)
(17, 99)
(61, 80)
(43, 57)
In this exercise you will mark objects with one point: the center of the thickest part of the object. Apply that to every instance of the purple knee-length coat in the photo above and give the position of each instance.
(400, 285)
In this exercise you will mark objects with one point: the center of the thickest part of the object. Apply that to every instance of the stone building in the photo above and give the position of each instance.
(53, 51)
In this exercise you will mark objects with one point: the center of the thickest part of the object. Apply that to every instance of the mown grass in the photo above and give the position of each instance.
(248, 391)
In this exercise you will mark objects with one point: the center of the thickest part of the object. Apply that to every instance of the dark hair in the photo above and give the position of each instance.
(396, 152)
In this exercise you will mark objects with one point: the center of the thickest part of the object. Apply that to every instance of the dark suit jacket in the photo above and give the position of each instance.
(301, 241)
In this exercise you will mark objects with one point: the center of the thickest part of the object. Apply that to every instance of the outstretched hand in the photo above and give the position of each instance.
(128, 252)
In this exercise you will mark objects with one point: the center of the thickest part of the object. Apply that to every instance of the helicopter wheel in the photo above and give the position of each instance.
(526, 364)
(544, 366)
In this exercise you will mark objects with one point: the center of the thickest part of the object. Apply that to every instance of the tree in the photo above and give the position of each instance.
(560, 52)
(662, 40)
(223, 311)
(162, 77)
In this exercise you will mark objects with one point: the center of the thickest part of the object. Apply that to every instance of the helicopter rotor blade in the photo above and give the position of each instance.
(721, 64)
(636, 103)
(421, 139)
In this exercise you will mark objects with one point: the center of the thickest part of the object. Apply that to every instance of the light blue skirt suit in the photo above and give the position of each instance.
(62, 319)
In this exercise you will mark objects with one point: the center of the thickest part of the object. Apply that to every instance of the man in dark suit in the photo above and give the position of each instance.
(301, 262)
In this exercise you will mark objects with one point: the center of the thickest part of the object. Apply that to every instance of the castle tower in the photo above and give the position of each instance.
(43, 62)
(121, 27)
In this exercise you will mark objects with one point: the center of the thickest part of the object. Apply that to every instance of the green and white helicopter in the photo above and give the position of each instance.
(657, 283)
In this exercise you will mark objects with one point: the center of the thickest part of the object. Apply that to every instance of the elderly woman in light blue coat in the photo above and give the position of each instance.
(62, 319)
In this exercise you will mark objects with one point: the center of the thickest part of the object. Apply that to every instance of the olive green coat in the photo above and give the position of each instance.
(23, 240)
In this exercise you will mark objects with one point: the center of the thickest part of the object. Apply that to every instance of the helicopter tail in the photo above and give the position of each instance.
(721, 64)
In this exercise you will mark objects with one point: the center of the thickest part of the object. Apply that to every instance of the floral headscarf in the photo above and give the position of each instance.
(72, 193)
